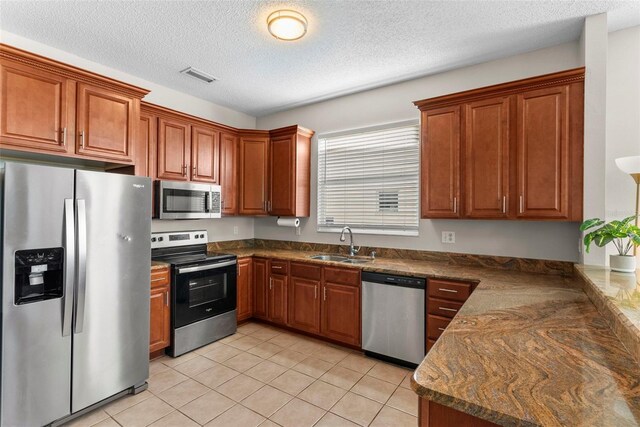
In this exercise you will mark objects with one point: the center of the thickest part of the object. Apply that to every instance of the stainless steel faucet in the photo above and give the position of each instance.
(353, 251)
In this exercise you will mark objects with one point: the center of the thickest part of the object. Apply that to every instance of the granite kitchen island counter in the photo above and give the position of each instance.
(525, 349)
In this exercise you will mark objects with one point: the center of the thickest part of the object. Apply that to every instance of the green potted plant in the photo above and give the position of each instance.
(623, 234)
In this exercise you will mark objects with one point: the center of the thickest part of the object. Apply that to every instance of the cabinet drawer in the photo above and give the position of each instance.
(430, 344)
(306, 271)
(342, 275)
(458, 291)
(279, 267)
(159, 278)
(436, 326)
(443, 308)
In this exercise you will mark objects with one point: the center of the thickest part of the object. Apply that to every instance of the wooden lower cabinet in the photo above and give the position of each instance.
(431, 414)
(160, 311)
(304, 301)
(260, 288)
(341, 305)
(244, 309)
(277, 298)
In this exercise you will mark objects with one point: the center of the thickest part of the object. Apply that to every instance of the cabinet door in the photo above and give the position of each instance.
(146, 140)
(204, 154)
(304, 304)
(244, 309)
(440, 160)
(254, 156)
(260, 288)
(341, 312)
(486, 160)
(277, 298)
(174, 149)
(34, 109)
(107, 123)
(159, 336)
(543, 154)
(229, 173)
(282, 176)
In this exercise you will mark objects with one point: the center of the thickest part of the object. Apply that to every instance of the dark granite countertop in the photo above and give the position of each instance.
(525, 349)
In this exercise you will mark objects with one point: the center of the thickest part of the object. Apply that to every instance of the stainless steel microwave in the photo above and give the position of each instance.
(186, 200)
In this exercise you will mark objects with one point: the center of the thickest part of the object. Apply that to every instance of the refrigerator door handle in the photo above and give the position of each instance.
(69, 273)
(81, 221)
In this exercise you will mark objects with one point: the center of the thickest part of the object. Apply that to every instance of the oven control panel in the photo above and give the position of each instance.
(172, 239)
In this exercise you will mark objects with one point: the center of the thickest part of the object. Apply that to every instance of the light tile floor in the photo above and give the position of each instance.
(264, 376)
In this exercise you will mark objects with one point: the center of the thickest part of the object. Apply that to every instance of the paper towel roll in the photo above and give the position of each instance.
(289, 222)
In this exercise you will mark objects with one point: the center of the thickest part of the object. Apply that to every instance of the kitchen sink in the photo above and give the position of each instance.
(337, 258)
(340, 258)
(356, 261)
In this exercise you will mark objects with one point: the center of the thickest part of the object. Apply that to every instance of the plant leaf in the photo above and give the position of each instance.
(593, 222)
(587, 241)
(603, 239)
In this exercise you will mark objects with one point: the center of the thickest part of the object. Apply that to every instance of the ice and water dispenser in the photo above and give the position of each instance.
(39, 275)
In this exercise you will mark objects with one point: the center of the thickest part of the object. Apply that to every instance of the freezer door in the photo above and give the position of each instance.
(111, 314)
(36, 354)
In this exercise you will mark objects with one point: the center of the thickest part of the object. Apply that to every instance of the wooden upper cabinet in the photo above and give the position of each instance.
(517, 147)
(147, 134)
(34, 108)
(254, 166)
(204, 154)
(486, 158)
(229, 172)
(289, 171)
(440, 154)
(543, 153)
(54, 108)
(174, 149)
(107, 123)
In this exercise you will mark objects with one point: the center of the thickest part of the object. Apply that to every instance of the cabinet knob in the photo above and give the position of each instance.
(82, 139)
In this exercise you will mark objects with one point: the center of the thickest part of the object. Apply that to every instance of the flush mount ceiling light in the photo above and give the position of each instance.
(287, 25)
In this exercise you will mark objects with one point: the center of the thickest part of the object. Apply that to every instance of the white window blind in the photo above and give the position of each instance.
(369, 180)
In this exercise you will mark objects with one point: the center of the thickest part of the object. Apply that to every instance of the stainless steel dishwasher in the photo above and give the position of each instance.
(393, 318)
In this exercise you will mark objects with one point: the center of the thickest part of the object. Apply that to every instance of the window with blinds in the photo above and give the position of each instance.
(369, 180)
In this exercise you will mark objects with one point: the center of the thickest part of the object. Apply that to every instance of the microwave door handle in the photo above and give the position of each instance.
(70, 266)
(207, 203)
(82, 266)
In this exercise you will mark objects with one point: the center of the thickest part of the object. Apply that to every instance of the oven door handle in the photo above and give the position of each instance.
(206, 267)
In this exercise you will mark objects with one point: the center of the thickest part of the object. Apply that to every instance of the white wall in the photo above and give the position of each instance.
(540, 240)
(623, 120)
(594, 51)
(220, 229)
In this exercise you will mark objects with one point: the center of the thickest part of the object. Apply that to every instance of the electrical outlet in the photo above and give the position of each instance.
(448, 237)
(235, 230)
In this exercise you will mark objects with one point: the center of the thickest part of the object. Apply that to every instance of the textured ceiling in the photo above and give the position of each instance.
(350, 45)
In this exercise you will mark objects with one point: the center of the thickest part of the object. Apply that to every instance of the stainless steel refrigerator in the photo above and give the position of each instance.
(75, 290)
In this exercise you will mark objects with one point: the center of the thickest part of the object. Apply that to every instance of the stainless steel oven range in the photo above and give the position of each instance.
(203, 289)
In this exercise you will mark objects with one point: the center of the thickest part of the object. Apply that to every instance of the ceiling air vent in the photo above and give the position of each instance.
(201, 75)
